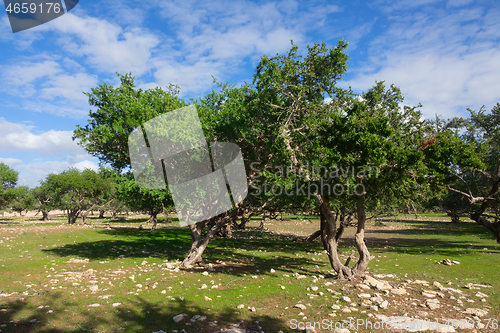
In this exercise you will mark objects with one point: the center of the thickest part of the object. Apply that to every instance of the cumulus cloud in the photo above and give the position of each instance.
(105, 45)
(447, 62)
(20, 137)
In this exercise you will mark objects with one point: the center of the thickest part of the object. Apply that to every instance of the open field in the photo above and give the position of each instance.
(130, 282)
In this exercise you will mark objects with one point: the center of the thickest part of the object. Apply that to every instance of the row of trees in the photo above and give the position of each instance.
(301, 133)
(78, 192)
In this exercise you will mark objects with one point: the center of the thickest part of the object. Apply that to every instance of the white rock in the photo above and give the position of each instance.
(341, 330)
(300, 306)
(384, 305)
(241, 306)
(480, 294)
(335, 307)
(272, 271)
(179, 317)
(400, 291)
(203, 286)
(95, 305)
(364, 295)
(346, 299)
(205, 273)
(476, 312)
(116, 304)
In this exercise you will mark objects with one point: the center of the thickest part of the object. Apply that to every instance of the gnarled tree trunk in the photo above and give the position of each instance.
(199, 243)
(330, 236)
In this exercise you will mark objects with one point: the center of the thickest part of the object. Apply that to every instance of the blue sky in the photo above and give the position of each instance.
(443, 54)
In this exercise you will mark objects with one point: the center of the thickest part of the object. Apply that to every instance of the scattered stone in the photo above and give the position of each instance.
(93, 288)
(400, 291)
(422, 313)
(414, 325)
(379, 285)
(116, 304)
(362, 286)
(480, 294)
(314, 288)
(77, 261)
(384, 305)
(364, 295)
(433, 304)
(346, 299)
(203, 286)
(420, 282)
(241, 306)
(95, 305)
(207, 298)
(335, 307)
(476, 312)
(449, 262)
(341, 330)
(272, 271)
(428, 295)
(300, 306)
(179, 317)
(205, 273)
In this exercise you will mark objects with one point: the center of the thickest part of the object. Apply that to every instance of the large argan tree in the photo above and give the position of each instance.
(323, 127)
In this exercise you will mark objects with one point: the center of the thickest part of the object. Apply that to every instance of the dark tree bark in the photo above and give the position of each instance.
(101, 213)
(330, 236)
(199, 243)
(73, 215)
(45, 215)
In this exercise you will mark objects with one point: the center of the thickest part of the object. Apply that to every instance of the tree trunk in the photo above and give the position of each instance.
(45, 215)
(154, 220)
(199, 244)
(73, 215)
(101, 213)
(313, 236)
(330, 237)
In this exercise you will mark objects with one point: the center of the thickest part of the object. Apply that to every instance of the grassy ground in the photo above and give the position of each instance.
(126, 287)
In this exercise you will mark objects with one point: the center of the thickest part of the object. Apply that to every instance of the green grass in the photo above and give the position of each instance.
(34, 255)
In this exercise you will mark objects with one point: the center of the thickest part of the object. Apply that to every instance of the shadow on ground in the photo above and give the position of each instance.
(139, 315)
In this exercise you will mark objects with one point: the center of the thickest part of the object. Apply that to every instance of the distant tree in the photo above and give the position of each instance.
(466, 155)
(45, 199)
(153, 202)
(8, 181)
(77, 191)
(23, 199)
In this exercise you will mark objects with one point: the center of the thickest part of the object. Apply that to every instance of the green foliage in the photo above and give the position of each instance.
(139, 199)
(8, 181)
(23, 199)
(119, 111)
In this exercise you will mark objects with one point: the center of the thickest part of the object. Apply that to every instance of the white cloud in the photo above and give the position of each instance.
(19, 137)
(30, 174)
(19, 78)
(105, 45)
(69, 86)
(446, 61)
(11, 162)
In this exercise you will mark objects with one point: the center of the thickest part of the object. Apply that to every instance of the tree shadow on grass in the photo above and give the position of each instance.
(149, 317)
(170, 243)
(138, 315)
(23, 315)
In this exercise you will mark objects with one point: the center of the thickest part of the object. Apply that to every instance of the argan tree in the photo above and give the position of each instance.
(324, 127)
